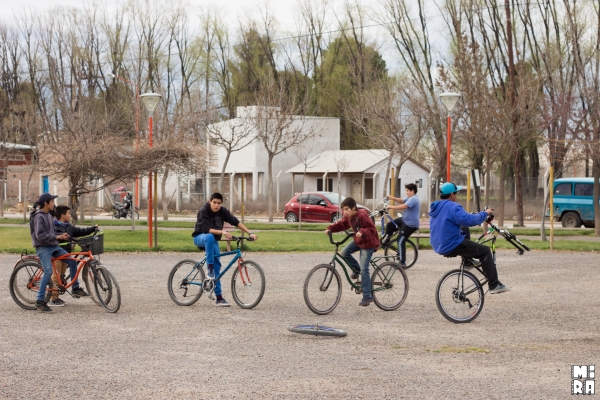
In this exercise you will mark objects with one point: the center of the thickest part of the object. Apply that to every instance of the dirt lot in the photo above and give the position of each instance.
(523, 344)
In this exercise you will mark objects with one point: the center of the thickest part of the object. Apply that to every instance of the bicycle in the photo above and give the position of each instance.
(323, 288)
(390, 249)
(28, 272)
(187, 280)
(459, 293)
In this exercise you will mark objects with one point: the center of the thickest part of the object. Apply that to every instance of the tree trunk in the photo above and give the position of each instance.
(222, 177)
(387, 177)
(2, 187)
(73, 201)
(596, 173)
(501, 195)
(488, 177)
(519, 188)
(270, 169)
(163, 193)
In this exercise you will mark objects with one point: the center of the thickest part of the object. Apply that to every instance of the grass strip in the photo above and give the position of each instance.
(14, 239)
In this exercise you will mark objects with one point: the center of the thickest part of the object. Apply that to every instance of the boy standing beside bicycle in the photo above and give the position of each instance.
(208, 231)
(366, 240)
(45, 241)
(408, 223)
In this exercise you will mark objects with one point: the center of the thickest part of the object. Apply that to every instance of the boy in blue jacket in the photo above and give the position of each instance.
(445, 218)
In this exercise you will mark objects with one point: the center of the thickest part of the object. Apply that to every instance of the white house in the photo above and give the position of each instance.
(252, 160)
(359, 174)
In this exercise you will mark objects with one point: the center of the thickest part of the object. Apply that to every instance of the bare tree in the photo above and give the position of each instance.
(279, 125)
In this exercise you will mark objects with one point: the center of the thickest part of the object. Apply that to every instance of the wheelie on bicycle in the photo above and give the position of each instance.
(387, 286)
(460, 294)
(188, 280)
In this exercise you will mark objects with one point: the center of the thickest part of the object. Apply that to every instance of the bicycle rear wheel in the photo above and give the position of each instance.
(248, 284)
(322, 289)
(390, 286)
(459, 296)
(107, 289)
(392, 254)
(316, 330)
(185, 282)
(24, 284)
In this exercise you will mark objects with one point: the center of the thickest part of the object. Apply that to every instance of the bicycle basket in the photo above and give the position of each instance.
(95, 244)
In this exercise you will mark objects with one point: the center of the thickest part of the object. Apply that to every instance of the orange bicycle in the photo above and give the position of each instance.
(99, 281)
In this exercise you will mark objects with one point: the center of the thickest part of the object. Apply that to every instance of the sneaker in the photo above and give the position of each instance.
(354, 274)
(56, 303)
(42, 306)
(222, 303)
(403, 265)
(79, 292)
(366, 302)
(211, 273)
(499, 289)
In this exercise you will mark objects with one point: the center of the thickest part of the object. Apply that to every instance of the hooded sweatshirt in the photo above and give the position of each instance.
(445, 219)
(359, 222)
(42, 229)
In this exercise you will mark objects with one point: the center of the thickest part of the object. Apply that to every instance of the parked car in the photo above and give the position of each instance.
(574, 202)
(316, 207)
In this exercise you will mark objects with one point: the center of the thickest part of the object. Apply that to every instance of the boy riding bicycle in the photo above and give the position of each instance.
(62, 225)
(208, 231)
(448, 239)
(408, 223)
(366, 240)
(46, 245)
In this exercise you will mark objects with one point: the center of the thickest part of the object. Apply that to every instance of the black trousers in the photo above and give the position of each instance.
(481, 252)
(405, 232)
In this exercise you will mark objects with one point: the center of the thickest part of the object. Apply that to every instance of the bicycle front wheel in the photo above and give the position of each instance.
(390, 286)
(316, 330)
(185, 282)
(248, 284)
(24, 284)
(322, 289)
(88, 279)
(391, 253)
(459, 296)
(107, 289)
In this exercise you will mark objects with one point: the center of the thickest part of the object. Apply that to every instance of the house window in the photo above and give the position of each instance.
(16, 157)
(320, 187)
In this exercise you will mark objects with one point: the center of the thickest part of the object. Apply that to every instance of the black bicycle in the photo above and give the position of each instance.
(459, 294)
(390, 248)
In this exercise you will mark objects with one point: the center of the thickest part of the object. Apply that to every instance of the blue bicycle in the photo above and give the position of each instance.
(187, 280)
(390, 248)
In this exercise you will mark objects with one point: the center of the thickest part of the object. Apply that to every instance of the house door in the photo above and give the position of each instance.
(357, 190)
(45, 184)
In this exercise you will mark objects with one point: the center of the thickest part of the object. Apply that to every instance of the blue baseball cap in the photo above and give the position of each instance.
(45, 198)
(449, 188)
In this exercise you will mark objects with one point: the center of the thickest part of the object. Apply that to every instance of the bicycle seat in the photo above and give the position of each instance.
(201, 248)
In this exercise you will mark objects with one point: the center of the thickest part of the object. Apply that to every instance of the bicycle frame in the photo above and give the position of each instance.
(238, 257)
(339, 259)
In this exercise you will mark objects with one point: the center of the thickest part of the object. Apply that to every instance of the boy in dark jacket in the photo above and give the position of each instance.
(46, 245)
(208, 231)
(62, 225)
(446, 217)
(366, 240)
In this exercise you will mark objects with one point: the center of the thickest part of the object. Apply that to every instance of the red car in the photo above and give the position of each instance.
(316, 207)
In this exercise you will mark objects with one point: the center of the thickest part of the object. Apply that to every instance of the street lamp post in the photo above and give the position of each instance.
(449, 99)
(136, 190)
(150, 101)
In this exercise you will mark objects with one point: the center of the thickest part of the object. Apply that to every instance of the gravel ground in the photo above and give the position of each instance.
(527, 339)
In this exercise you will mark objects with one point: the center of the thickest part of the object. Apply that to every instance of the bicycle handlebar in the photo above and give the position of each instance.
(348, 236)
(73, 240)
(240, 238)
(510, 238)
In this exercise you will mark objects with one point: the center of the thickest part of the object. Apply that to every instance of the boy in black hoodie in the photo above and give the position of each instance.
(62, 225)
(207, 233)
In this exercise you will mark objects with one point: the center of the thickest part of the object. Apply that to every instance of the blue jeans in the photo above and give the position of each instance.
(45, 253)
(365, 259)
(211, 245)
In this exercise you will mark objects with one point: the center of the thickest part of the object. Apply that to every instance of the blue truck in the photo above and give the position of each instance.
(574, 202)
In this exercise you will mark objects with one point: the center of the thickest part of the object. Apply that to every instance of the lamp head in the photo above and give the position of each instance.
(449, 99)
(150, 101)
